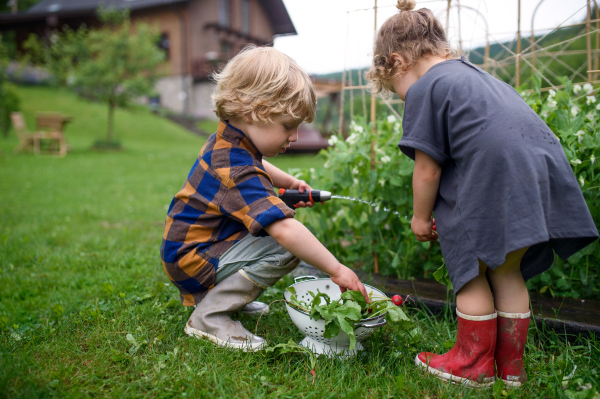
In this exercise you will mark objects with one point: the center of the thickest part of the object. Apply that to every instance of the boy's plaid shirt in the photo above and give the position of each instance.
(227, 195)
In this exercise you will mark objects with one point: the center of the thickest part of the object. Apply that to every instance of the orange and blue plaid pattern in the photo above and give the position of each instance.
(226, 195)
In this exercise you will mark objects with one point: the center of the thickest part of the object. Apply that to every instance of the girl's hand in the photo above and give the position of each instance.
(301, 186)
(423, 229)
(348, 280)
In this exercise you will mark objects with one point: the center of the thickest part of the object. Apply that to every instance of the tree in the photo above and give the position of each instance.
(9, 100)
(115, 63)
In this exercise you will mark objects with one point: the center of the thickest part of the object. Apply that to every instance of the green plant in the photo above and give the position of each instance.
(356, 231)
(573, 114)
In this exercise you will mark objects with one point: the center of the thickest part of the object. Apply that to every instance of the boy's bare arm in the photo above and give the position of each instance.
(426, 182)
(287, 181)
(280, 178)
(296, 238)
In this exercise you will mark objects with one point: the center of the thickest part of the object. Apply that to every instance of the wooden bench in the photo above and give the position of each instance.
(51, 127)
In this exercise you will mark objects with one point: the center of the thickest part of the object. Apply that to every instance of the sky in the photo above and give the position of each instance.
(333, 35)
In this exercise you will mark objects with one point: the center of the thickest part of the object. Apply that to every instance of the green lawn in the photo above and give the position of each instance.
(80, 271)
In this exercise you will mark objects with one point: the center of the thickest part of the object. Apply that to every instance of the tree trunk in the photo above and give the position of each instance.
(111, 112)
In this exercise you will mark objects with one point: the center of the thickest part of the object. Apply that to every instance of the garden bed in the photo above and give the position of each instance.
(563, 315)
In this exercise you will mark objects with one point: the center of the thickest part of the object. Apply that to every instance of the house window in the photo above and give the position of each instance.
(164, 44)
(246, 17)
(226, 48)
(225, 13)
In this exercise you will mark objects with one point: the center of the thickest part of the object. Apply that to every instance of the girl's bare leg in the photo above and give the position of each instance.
(510, 291)
(475, 298)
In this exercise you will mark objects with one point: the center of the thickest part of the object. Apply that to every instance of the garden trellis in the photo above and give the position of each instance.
(521, 58)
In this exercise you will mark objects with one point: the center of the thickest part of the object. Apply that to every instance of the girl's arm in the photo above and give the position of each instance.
(426, 182)
(287, 181)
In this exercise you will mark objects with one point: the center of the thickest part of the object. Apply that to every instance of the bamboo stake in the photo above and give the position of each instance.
(518, 71)
(448, 18)
(362, 92)
(341, 123)
(374, 101)
(460, 46)
(351, 95)
(597, 56)
(588, 28)
(374, 131)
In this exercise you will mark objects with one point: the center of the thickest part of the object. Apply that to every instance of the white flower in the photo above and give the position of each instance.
(581, 181)
(598, 107)
(590, 99)
(579, 135)
(391, 119)
(576, 161)
(326, 165)
(545, 114)
(385, 159)
(340, 212)
(377, 208)
(312, 170)
(382, 182)
(590, 116)
(353, 138)
(386, 226)
(576, 89)
(592, 159)
(397, 126)
(355, 180)
(552, 104)
(587, 87)
(574, 111)
(552, 93)
(355, 171)
(524, 94)
(356, 128)
(332, 140)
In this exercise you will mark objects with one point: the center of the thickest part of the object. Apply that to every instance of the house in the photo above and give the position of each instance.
(197, 36)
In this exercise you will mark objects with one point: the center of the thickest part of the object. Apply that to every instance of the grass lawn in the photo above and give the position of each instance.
(86, 311)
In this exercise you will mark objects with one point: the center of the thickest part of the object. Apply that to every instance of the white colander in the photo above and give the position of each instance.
(314, 330)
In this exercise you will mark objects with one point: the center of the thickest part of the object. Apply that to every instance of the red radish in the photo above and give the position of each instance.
(397, 300)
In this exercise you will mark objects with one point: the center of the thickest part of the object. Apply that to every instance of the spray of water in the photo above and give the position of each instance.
(365, 202)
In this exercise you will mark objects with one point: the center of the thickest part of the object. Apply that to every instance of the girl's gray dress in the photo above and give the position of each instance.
(506, 183)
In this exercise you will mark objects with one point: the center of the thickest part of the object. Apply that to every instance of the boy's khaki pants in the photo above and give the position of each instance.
(260, 259)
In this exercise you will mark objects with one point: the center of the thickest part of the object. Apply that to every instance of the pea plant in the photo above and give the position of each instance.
(359, 233)
(573, 114)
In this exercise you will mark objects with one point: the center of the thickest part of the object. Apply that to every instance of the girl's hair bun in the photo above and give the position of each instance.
(406, 5)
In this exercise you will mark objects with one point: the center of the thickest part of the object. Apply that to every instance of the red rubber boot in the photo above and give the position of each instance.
(512, 336)
(471, 361)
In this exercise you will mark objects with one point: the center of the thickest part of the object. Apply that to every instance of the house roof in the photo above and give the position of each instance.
(66, 6)
(275, 10)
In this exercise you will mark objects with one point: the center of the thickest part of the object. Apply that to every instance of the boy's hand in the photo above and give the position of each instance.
(301, 186)
(348, 280)
(423, 229)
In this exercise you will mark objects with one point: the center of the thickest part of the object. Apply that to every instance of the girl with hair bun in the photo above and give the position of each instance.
(496, 177)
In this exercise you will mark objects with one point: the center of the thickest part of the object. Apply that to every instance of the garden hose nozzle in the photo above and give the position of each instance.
(292, 197)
